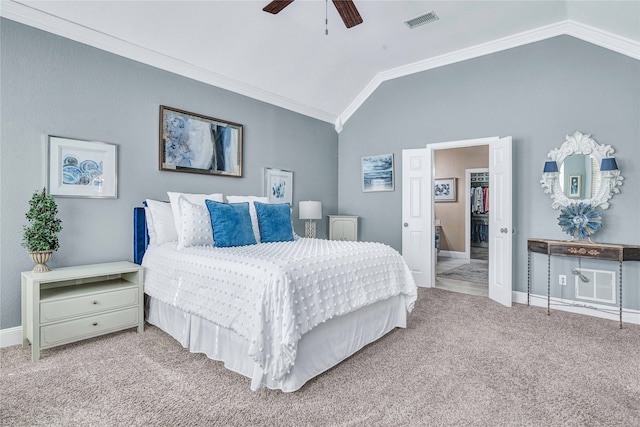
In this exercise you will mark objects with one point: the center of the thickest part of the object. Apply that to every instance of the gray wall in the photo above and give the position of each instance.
(53, 86)
(537, 94)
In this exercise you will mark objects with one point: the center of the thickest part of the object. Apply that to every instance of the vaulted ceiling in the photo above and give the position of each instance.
(288, 60)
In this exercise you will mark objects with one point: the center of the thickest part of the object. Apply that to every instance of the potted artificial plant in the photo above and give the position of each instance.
(40, 238)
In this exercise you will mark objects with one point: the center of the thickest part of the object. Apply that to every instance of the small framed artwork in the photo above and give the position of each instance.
(445, 190)
(377, 173)
(575, 186)
(193, 143)
(278, 185)
(79, 168)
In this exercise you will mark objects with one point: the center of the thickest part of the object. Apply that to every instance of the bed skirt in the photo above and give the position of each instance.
(318, 350)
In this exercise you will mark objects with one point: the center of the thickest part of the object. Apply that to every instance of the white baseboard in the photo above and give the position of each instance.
(10, 336)
(560, 304)
(453, 254)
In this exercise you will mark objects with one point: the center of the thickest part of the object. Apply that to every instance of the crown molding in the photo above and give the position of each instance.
(622, 45)
(35, 18)
(589, 34)
(24, 14)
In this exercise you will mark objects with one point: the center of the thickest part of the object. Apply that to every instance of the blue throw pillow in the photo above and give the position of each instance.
(231, 224)
(274, 221)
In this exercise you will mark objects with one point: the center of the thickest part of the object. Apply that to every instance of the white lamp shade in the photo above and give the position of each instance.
(310, 210)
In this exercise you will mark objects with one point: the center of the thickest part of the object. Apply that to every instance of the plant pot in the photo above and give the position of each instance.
(41, 258)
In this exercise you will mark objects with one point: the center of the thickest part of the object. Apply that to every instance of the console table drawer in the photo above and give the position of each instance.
(73, 330)
(586, 251)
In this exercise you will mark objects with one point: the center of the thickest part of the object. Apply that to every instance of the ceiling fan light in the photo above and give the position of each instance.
(421, 20)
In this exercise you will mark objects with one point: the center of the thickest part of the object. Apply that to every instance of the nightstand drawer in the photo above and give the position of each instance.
(86, 327)
(87, 304)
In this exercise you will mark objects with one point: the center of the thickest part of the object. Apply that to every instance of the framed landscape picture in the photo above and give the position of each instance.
(78, 168)
(445, 190)
(377, 173)
(194, 143)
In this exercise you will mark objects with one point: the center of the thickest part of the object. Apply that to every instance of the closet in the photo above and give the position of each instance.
(479, 194)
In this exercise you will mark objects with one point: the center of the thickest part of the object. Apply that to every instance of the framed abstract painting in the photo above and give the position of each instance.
(79, 168)
(278, 185)
(194, 143)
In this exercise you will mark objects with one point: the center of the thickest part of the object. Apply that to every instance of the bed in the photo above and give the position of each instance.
(279, 313)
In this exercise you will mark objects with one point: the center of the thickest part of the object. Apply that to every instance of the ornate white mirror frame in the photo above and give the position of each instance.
(581, 144)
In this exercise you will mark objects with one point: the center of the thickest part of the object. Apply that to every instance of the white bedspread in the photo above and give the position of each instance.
(273, 293)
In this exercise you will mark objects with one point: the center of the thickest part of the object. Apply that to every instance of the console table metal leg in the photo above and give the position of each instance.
(549, 285)
(528, 276)
(620, 298)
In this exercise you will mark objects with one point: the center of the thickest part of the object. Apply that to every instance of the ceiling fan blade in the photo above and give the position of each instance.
(348, 12)
(276, 6)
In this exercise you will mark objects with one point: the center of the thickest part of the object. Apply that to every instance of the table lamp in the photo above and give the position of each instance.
(310, 210)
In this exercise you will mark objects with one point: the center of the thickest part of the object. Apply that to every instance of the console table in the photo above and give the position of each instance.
(572, 248)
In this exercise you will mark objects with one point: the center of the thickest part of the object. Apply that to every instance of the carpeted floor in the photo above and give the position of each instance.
(463, 360)
(475, 271)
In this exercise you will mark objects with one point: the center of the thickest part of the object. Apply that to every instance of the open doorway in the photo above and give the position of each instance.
(462, 220)
(418, 219)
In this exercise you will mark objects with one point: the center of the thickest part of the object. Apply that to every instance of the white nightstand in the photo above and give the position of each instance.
(343, 227)
(75, 303)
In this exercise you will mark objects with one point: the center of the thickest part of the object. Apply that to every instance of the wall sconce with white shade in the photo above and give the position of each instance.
(310, 210)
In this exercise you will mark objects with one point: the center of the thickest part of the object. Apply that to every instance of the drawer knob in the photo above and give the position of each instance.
(94, 302)
(95, 323)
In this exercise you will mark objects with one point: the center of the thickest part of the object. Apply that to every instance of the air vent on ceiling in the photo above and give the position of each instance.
(421, 20)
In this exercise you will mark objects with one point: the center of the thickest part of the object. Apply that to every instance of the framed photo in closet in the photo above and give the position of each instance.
(445, 190)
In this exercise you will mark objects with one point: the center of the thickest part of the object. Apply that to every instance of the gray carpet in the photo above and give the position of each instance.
(463, 361)
(475, 271)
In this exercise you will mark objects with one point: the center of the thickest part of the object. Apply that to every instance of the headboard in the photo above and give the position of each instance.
(140, 234)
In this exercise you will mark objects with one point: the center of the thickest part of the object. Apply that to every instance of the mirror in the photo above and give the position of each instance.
(579, 179)
(579, 176)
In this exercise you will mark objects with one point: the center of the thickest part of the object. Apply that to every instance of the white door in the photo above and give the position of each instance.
(500, 221)
(417, 214)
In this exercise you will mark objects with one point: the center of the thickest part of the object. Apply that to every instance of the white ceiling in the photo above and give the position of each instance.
(287, 59)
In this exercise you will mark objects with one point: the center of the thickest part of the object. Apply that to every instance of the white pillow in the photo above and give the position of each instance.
(160, 222)
(150, 230)
(196, 199)
(252, 210)
(195, 225)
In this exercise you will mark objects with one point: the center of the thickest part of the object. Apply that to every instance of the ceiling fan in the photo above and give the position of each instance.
(346, 9)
